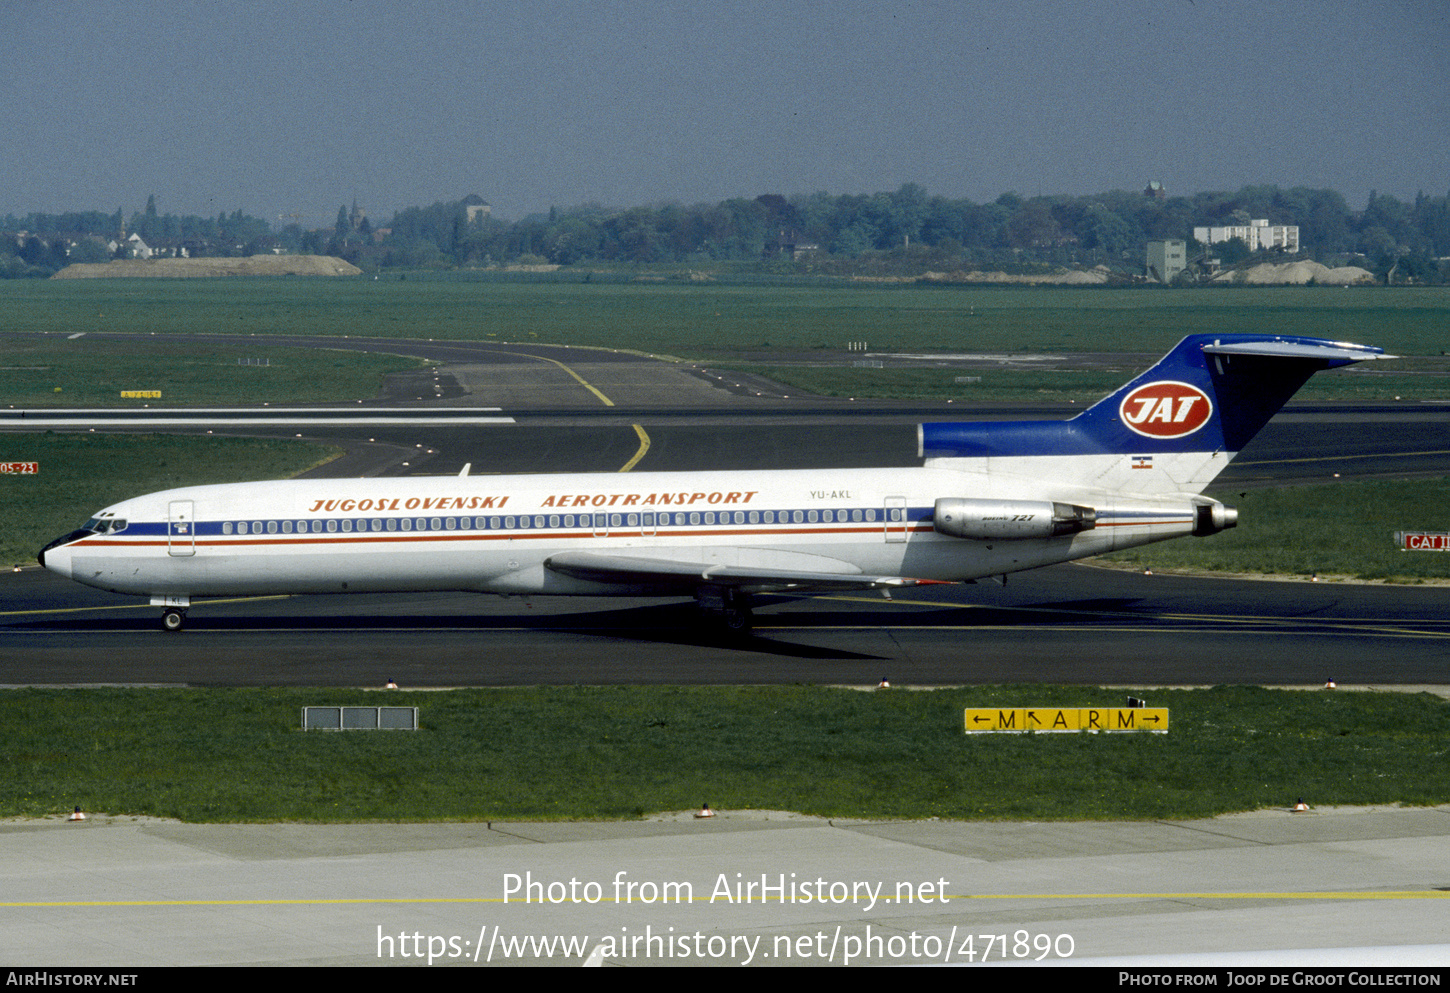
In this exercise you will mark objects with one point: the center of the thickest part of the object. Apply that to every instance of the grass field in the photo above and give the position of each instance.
(1343, 529)
(50, 370)
(708, 320)
(624, 752)
(1082, 387)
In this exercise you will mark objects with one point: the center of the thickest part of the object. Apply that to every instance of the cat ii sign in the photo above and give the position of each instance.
(1423, 541)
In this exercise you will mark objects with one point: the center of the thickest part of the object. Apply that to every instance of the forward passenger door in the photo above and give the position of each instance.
(180, 528)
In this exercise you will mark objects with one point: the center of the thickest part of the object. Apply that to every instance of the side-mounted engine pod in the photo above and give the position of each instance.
(1004, 519)
(1211, 517)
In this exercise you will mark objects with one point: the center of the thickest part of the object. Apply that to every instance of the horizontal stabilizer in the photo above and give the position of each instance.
(1331, 352)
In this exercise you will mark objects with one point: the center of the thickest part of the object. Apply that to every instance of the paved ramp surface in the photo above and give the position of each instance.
(740, 888)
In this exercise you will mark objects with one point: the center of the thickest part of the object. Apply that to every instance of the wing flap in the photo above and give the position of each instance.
(595, 567)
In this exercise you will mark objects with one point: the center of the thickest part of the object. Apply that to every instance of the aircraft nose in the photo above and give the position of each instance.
(55, 556)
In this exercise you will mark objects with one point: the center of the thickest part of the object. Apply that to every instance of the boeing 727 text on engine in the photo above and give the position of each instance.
(989, 499)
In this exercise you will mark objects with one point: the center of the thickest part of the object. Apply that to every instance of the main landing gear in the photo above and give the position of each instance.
(727, 608)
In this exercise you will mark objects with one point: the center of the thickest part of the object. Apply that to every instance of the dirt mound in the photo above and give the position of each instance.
(1298, 273)
(1068, 277)
(256, 265)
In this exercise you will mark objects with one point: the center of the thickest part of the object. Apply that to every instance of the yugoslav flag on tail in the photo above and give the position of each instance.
(1170, 430)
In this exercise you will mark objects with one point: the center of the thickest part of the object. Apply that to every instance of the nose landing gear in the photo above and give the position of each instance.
(173, 616)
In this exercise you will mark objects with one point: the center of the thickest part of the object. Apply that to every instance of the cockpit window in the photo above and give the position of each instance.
(106, 525)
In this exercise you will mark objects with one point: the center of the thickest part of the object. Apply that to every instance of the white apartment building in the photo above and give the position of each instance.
(1257, 234)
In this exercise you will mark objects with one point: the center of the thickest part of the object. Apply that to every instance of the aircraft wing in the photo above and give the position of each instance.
(627, 569)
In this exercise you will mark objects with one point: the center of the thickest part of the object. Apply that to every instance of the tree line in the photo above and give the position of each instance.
(820, 232)
(40, 244)
(909, 228)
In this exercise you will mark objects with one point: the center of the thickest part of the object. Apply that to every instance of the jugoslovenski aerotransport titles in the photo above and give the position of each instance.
(989, 499)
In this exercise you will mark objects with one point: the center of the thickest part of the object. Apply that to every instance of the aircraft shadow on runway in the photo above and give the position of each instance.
(675, 624)
(782, 622)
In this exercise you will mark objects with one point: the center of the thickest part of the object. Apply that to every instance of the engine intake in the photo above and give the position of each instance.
(1005, 519)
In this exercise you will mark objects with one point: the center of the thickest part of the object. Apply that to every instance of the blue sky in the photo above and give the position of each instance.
(282, 107)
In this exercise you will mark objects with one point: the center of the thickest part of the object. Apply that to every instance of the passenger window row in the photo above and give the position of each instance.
(523, 522)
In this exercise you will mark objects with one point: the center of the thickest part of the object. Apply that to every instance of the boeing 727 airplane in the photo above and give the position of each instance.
(989, 499)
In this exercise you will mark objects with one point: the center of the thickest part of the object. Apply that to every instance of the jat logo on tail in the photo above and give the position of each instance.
(1166, 409)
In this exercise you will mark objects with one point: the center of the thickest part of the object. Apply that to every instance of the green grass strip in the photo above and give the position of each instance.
(234, 755)
(52, 371)
(723, 318)
(1077, 386)
(1342, 529)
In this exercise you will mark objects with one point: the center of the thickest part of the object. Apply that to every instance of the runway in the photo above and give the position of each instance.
(545, 409)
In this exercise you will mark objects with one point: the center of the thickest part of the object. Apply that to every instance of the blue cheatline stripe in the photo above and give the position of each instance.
(458, 523)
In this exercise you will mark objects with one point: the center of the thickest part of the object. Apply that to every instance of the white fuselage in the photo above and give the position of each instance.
(497, 533)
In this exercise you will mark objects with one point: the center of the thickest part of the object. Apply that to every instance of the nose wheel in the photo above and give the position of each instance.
(173, 619)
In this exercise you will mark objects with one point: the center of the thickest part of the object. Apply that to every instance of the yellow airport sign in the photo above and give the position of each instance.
(979, 720)
(141, 394)
(1050, 720)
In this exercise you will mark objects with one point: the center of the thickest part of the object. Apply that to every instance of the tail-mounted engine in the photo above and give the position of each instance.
(1211, 517)
(1005, 519)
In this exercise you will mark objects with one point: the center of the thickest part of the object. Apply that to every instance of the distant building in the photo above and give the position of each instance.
(134, 247)
(1166, 259)
(169, 248)
(791, 245)
(1207, 266)
(1156, 190)
(477, 207)
(1257, 234)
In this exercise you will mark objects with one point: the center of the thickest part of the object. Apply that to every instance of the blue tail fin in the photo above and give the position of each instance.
(1201, 403)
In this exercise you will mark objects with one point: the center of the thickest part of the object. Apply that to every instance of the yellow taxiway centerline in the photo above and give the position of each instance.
(638, 429)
